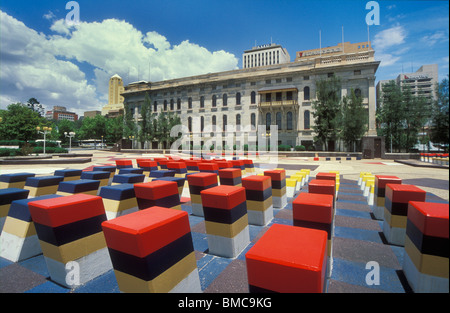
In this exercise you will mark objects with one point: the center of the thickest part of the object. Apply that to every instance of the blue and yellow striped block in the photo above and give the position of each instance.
(118, 200)
(72, 187)
(179, 180)
(42, 185)
(7, 196)
(16, 180)
(127, 179)
(69, 174)
(102, 176)
(157, 193)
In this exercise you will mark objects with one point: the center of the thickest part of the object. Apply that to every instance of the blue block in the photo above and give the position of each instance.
(68, 173)
(131, 170)
(162, 173)
(43, 181)
(179, 180)
(8, 195)
(104, 168)
(149, 169)
(16, 177)
(19, 208)
(128, 178)
(118, 192)
(95, 175)
(77, 186)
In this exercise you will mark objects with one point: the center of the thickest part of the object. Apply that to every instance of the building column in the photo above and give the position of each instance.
(372, 131)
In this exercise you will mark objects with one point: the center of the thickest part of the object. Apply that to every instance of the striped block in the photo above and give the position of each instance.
(70, 234)
(396, 210)
(325, 187)
(226, 220)
(370, 182)
(258, 194)
(179, 168)
(179, 180)
(197, 183)
(159, 161)
(326, 176)
(249, 166)
(160, 173)
(148, 167)
(123, 164)
(379, 193)
(69, 174)
(72, 187)
(364, 180)
(157, 193)
(209, 168)
(131, 170)
(361, 174)
(103, 177)
(301, 179)
(307, 173)
(7, 196)
(152, 251)
(425, 261)
(239, 164)
(16, 180)
(224, 164)
(128, 179)
(230, 177)
(110, 169)
(278, 177)
(42, 185)
(192, 165)
(291, 187)
(118, 200)
(276, 264)
(140, 161)
(18, 240)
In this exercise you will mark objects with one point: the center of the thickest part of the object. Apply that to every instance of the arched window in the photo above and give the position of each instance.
(306, 95)
(224, 100)
(358, 93)
(224, 123)
(306, 120)
(214, 101)
(202, 123)
(171, 105)
(178, 104)
(214, 123)
(268, 121)
(253, 97)
(289, 121)
(190, 124)
(253, 119)
(238, 98)
(278, 118)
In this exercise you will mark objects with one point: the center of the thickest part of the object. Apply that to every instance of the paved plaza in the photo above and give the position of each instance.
(357, 240)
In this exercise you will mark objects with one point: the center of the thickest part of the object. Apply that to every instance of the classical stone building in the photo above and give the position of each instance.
(278, 94)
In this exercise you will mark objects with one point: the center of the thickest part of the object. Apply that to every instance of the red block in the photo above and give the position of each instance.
(288, 259)
(208, 167)
(176, 165)
(404, 193)
(65, 210)
(124, 162)
(313, 207)
(277, 175)
(140, 160)
(156, 189)
(327, 176)
(148, 164)
(382, 180)
(230, 173)
(322, 186)
(202, 179)
(256, 182)
(431, 219)
(224, 164)
(223, 197)
(146, 231)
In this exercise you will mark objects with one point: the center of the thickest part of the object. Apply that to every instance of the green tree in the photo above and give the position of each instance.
(65, 126)
(165, 122)
(93, 127)
(114, 129)
(416, 115)
(129, 125)
(327, 110)
(355, 120)
(440, 114)
(146, 128)
(19, 122)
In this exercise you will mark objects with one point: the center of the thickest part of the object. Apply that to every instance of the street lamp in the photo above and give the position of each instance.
(70, 135)
(45, 131)
(132, 141)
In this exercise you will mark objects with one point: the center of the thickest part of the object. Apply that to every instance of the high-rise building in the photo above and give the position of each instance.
(265, 55)
(115, 99)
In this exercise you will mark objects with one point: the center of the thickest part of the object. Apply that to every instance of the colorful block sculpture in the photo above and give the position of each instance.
(157, 193)
(276, 264)
(128, 179)
(7, 196)
(323, 186)
(258, 193)
(240, 165)
(396, 210)
(226, 220)
(179, 180)
(361, 175)
(18, 240)
(42, 185)
(131, 170)
(365, 178)
(249, 166)
(301, 179)
(140, 161)
(231, 177)
(110, 169)
(224, 164)
(291, 187)
(278, 177)
(179, 168)
(198, 182)
(102, 176)
(71, 187)
(152, 251)
(118, 200)
(379, 193)
(123, 164)
(148, 167)
(69, 174)
(160, 173)
(307, 173)
(328, 176)
(70, 234)
(425, 261)
(16, 180)
(192, 165)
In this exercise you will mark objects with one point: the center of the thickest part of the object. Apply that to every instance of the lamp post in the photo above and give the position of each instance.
(70, 135)
(132, 141)
(45, 131)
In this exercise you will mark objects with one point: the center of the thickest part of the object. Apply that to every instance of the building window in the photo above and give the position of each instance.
(238, 122)
(289, 121)
(155, 106)
(268, 121)
(214, 101)
(278, 118)
(358, 93)
(224, 100)
(268, 97)
(306, 119)
(253, 97)
(202, 102)
(189, 103)
(178, 104)
(190, 124)
(357, 72)
(214, 123)
(238, 98)
(278, 96)
(224, 123)
(171, 105)
(165, 105)
(202, 123)
(289, 95)
(306, 95)
(253, 119)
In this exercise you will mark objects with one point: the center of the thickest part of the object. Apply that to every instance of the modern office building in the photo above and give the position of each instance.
(263, 93)
(115, 100)
(264, 55)
(61, 113)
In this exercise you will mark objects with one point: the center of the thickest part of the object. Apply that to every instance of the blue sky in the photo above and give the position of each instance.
(42, 57)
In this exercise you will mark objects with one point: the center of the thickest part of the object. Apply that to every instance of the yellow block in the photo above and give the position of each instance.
(308, 171)
(19, 228)
(291, 182)
(118, 206)
(226, 230)
(91, 192)
(261, 206)
(427, 264)
(4, 209)
(398, 221)
(19, 184)
(196, 199)
(41, 191)
(278, 192)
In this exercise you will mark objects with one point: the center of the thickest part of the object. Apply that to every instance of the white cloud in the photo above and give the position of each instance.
(46, 68)
(388, 45)
(439, 36)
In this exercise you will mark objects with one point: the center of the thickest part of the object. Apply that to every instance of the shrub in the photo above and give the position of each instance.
(300, 148)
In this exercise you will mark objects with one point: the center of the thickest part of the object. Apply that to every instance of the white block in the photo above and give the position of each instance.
(394, 235)
(279, 202)
(260, 218)
(190, 284)
(15, 248)
(229, 247)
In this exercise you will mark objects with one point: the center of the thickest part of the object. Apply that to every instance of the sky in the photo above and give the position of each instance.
(48, 54)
